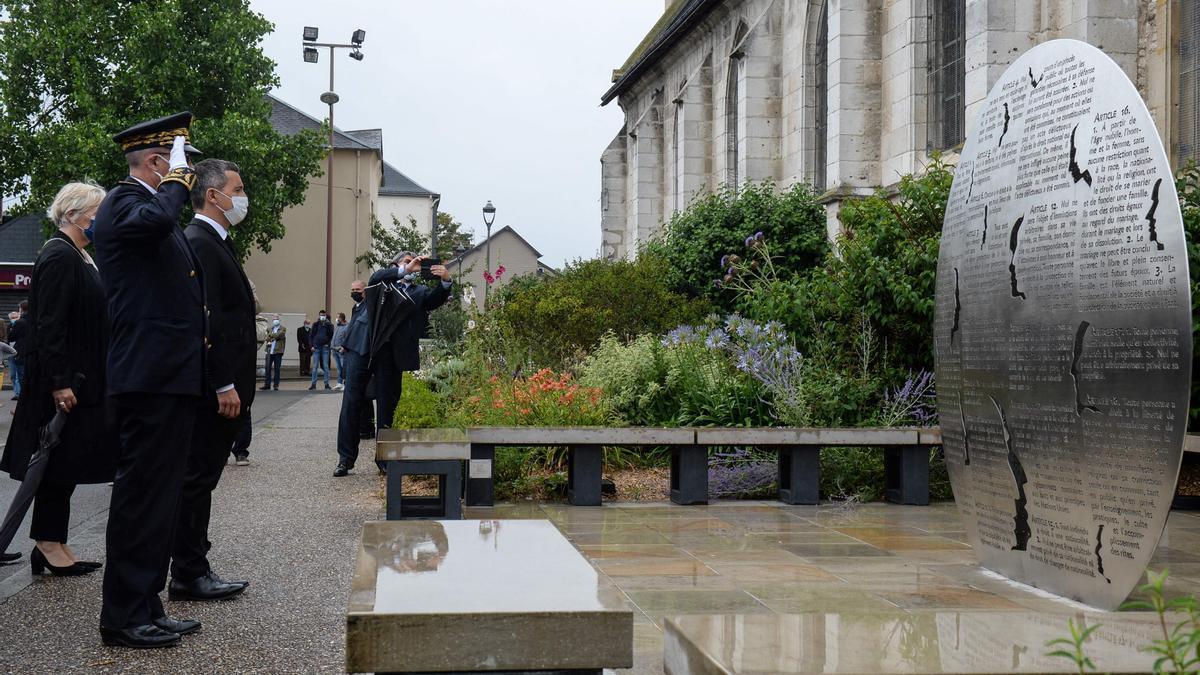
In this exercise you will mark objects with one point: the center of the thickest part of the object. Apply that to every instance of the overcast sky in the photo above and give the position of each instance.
(477, 99)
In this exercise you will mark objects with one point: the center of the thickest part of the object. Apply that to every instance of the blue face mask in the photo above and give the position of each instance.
(90, 230)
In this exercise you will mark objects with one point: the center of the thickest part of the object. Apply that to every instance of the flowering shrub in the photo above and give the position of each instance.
(633, 378)
(764, 352)
(491, 278)
(543, 399)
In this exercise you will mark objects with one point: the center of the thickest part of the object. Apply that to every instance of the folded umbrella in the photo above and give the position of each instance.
(49, 439)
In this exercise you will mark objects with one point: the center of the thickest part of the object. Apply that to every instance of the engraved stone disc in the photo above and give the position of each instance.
(1063, 328)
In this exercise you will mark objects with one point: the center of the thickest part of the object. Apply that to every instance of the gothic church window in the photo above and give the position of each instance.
(1189, 82)
(679, 156)
(733, 97)
(821, 95)
(947, 81)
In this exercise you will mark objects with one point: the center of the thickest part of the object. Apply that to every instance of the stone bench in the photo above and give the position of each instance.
(906, 456)
(481, 596)
(584, 453)
(422, 452)
(906, 459)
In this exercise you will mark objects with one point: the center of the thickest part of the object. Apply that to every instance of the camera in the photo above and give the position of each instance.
(427, 267)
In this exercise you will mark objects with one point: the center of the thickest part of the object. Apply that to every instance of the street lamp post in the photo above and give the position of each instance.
(330, 97)
(489, 217)
(459, 252)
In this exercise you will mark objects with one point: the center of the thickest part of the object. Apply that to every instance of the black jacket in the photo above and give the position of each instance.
(321, 334)
(155, 291)
(18, 334)
(302, 343)
(397, 316)
(67, 334)
(232, 333)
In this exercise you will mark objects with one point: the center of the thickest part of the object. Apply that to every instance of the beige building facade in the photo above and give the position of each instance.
(508, 249)
(849, 95)
(290, 279)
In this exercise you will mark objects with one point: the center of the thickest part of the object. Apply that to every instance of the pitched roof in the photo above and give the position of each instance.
(681, 16)
(495, 234)
(369, 137)
(21, 238)
(396, 184)
(289, 121)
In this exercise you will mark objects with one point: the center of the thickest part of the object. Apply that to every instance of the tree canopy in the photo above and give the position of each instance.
(74, 73)
(387, 240)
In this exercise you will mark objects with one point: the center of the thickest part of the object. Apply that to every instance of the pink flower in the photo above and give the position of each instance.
(500, 271)
(487, 276)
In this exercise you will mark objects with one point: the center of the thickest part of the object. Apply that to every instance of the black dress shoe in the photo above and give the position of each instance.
(180, 626)
(341, 470)
(38, 565)
(203, 588)
(148, 636)
(89, 564)
(6, 558)
(213, 575)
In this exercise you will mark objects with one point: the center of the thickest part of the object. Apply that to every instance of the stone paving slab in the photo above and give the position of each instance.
(289, 527)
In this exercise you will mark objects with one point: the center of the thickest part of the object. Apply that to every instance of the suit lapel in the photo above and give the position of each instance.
(226, 245)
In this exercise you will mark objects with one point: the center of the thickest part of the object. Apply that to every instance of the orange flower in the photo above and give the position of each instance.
(498, 404)
(494, 379)
(525, 411)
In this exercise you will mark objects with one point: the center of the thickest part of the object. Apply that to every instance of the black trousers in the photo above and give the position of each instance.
(354, 400)
(388, 385)
(51, 512)
(241, 442)
(155, 433)
(212, 438)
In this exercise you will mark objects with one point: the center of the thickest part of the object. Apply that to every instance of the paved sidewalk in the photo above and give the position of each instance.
(283, 522)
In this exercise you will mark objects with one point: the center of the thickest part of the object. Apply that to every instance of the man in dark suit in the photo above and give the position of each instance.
(155, 372)
(220, 202)
(383, 340)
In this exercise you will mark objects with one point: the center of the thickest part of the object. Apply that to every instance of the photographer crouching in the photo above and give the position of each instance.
(383, 340)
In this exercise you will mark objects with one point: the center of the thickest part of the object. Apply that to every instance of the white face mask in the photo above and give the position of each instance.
(165, 161)
(241, 206)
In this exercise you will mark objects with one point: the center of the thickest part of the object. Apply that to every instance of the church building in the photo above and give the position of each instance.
(850, 95)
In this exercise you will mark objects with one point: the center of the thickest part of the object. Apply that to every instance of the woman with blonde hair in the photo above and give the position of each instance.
(64, 370)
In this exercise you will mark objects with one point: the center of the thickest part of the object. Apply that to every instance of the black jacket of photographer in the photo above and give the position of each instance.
(397, 315)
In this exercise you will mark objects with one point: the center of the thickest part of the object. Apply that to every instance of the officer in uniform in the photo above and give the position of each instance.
(156, 367)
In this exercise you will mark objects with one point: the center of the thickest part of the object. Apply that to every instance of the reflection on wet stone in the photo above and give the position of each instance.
(1063, 343)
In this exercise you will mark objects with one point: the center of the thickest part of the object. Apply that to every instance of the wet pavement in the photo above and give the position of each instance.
(892, 581)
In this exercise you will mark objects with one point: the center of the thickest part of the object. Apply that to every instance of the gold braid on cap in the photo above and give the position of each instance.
(163, 138)
(183, 175)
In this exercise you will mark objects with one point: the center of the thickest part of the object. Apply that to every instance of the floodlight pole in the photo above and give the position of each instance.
(330, 97)
(329, 197)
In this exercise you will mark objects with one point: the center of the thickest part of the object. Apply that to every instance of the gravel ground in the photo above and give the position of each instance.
(284, 523)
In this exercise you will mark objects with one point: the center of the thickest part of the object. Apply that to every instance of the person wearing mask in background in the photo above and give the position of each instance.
(276, 341)
(17, 334)
(320, 337)
(220, 204)
(155, 372)
(336, 346)
(68, 335)
(304, 346)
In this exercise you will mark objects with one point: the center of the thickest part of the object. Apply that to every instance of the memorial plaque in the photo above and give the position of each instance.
(1063, 328)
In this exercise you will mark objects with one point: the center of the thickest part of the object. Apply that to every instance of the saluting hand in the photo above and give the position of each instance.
(178, 155)
(64, 399)
(229, 405)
